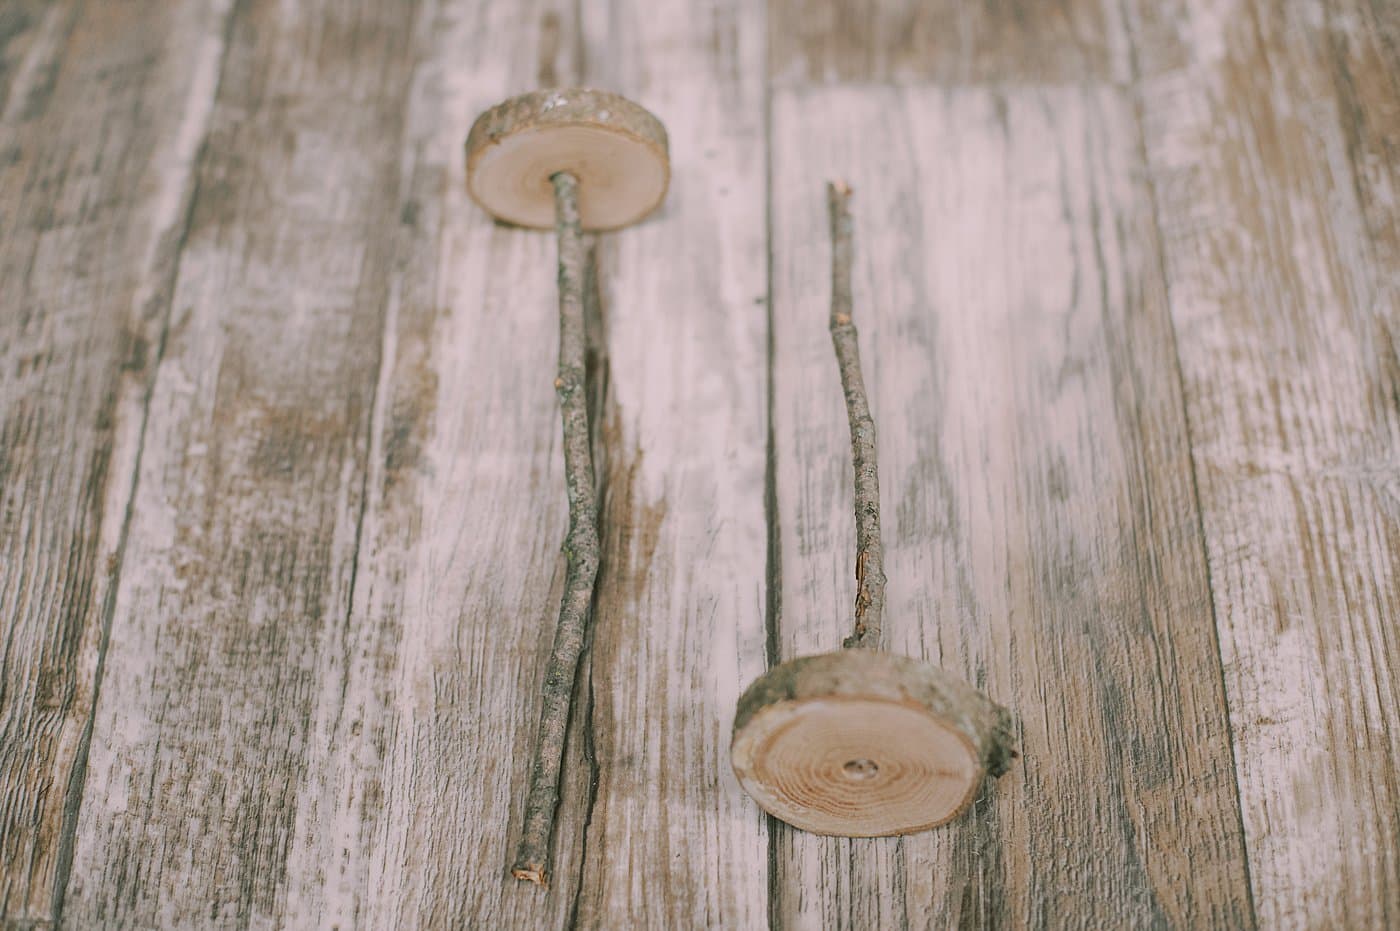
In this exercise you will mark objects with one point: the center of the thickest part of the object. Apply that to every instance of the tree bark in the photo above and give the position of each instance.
(870, 557)
(581, 546)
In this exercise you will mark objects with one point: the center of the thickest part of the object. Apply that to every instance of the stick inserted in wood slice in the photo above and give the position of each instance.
(870, 554)
(863, 743)
(574, 159)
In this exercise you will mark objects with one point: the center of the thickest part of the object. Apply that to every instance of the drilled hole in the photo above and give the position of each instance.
(860, 769)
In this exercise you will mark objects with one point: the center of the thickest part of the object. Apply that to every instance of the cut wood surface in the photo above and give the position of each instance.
(863, 743)
(281, 490)
(613, 148)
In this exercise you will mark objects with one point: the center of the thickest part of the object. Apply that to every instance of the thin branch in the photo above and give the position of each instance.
(581, 546)
(870, 559)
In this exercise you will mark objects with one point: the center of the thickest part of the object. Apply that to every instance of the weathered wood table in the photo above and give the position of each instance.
(280, 492)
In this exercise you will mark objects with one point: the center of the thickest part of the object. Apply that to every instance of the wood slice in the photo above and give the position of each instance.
(866, 744)
(616, 149)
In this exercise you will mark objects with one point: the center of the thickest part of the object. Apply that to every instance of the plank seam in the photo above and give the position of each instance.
(598, 386)
(773, 590)
(590, 758)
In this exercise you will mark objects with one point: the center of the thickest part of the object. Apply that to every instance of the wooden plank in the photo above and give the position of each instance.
(1272, 133)
(671, 839)
(102, 111)
(412, 804)
(235, 590)
(460, 569)
(1041, 529)
(912, 41)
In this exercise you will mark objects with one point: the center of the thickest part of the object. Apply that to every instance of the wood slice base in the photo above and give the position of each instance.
(615, 148)
(866, 744)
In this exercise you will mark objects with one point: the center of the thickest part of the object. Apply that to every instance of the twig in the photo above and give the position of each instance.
(580, 546)
(870, 559)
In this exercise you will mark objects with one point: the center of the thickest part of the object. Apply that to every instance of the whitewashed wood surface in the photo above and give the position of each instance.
(281, 493)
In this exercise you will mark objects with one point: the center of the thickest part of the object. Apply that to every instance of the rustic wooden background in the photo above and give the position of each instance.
(280, 477)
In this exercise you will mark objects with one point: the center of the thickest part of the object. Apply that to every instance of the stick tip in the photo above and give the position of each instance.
(531, 873)
(839, 188)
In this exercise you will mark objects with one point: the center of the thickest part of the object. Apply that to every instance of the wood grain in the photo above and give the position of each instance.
(280, 487)
(1044, 540)
(102, 111)
(235, 596)
(917, 41)
(672, 842)
(867, 743)
(612, 146)
(1272, 132)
